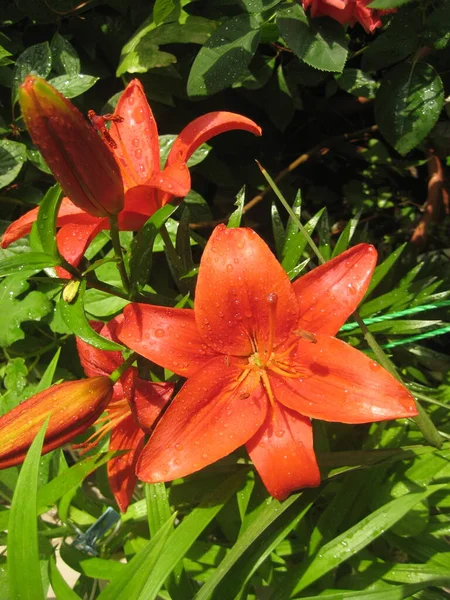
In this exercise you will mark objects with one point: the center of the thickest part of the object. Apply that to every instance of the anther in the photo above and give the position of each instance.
(306, 335)
(99, 123)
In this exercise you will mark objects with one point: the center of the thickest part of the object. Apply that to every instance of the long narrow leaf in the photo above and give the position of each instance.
(24, 572)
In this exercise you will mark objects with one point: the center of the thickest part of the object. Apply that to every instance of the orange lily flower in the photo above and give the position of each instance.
(261, 362)
(72, 406)
(131, 414)
(133, 140)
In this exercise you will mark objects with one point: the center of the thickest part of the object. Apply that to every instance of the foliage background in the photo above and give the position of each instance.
(358, 123)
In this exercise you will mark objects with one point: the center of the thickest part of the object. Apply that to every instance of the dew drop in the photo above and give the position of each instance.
(159, 333)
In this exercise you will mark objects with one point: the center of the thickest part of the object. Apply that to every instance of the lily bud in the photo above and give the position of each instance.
(79, 159)
(72, 406)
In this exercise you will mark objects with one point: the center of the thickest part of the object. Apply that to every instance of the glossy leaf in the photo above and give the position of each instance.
(224, 57)
(35, 60)
(187, 532)
(141, 255)
(12, 157)
(47, 378)
(75, 318)
(23, 551)
(64, 57)
(408, 104)
(348, 543)
(46, 221)
(236, 215)
(73, 85)
(130, 582)
(27, 263)
(382, 270)
(61, 588)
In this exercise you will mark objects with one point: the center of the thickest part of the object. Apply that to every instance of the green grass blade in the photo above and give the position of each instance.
(349, 543)
(185, 535)
(61, 588)
(24, 572)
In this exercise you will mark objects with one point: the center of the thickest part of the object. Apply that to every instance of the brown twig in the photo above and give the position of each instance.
(433, 202)
(318, 150)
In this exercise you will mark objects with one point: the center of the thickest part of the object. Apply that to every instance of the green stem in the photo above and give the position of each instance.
(115, 238)
(117, 374)
(423, 421)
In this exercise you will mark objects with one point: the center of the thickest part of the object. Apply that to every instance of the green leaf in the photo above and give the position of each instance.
(224, 57)
(382, 270)
(27, 263)
(267, 517)
(345, 238)
(75, 318)
(35, 60)
(236, 216)
(32, 307)
(437, 28)
(349, 543)
(277, 230)
(399, 41)
(4, 57)
(386, 4)
(296, 243)
(46, 221)
(141, 252)
(395, 593)
(73, 85)
(61, 588)
(47, 378)
(129, 583)
(12, 157)
(144, 56)
(357, 83)
(408, 104)
(65, 59)
(163, 9)
(258, 6)
(23, 551)
(187, 532)
(321, 43)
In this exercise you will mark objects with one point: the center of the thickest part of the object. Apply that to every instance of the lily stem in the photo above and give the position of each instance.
(115, 239)
(423, 421)
(171, 250)
(117, 374)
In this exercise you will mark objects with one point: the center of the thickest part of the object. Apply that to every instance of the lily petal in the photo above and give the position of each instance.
(100, 362)
(339, 383)
(121, 469)
(148, 400)
(243, 295)
(73, 240)
(204, 128)
(328, 295)
(283, 454)
(68, 213)
(167, 336)
(136, 136)
(212, 415)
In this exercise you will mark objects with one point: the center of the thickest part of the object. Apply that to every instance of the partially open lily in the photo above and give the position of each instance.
(72, 407)
(261, 362)
(131, 414)
(135, 145)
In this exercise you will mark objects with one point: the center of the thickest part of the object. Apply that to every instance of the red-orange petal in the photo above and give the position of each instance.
(121, 469)
(148, 400)
(167, 336)
(100, 362)
(204, 128)
(336, 382)
(240, 285)
(72, 407)
(328, 295)
(283, 453)
(68, 213)
(136, 136)
(212, 415)
(73, 240)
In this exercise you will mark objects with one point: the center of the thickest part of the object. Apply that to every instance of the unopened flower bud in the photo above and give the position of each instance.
(72, 407)
(79, 159)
